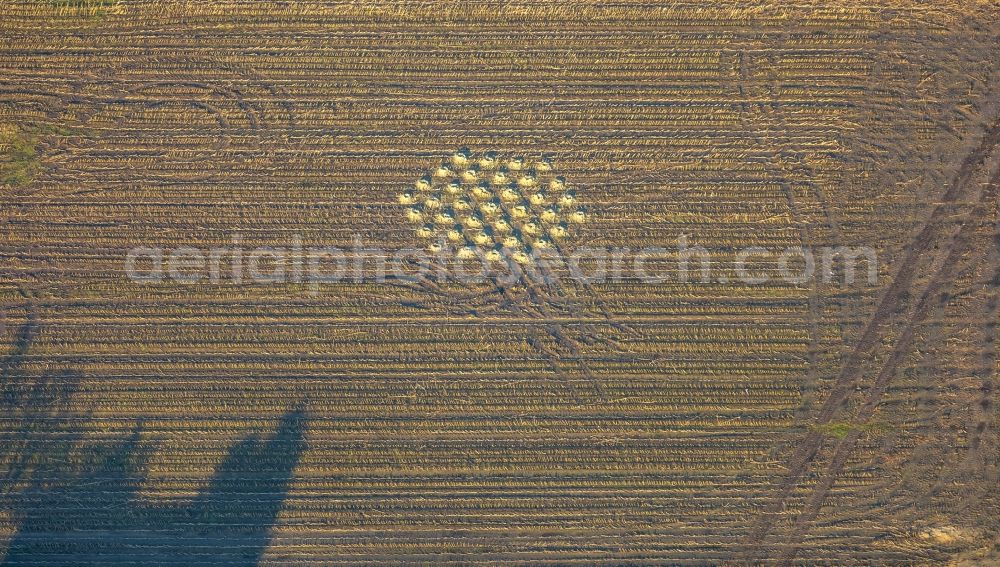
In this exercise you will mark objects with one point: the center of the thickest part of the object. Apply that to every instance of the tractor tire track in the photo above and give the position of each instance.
(900, 351)
(991, 315)
(876, 329)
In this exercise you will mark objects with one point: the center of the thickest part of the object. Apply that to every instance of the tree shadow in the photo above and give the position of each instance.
(235, 514)
(96, 517)
(35, 428)
(76, 501)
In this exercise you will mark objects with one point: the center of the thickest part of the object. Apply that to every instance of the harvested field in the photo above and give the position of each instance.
(739, 300)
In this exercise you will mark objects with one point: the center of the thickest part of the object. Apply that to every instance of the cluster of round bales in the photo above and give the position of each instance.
(500, 208)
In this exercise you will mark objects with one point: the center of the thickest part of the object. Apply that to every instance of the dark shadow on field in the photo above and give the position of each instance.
(12, 361)
(81, 506)
(75, 501)
(35, 428)
(56, 515)
(235, 514)
(34, 432)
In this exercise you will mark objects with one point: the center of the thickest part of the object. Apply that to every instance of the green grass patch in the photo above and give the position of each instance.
(841, 429)
(18, 157)
(838, 429)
